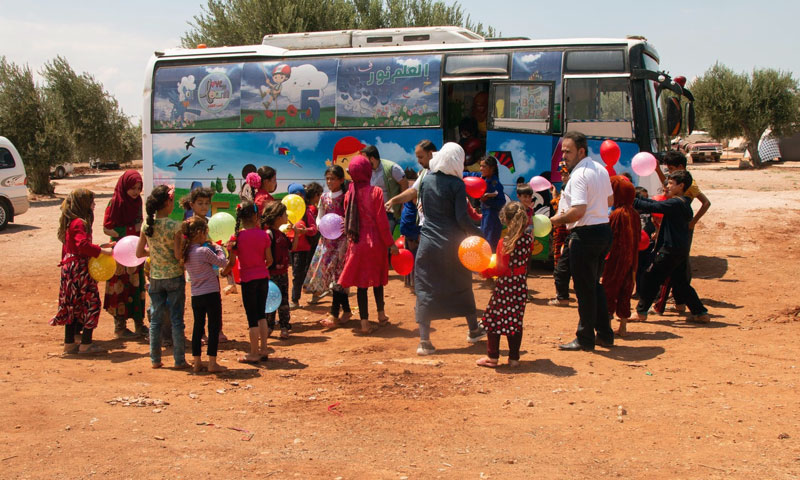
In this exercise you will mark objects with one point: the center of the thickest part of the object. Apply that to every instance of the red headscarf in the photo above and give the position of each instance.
(626, 228)
(124, 211)
(360, 170)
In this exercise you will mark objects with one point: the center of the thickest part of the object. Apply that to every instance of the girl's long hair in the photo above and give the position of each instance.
(244, 211)
(157, 199)
(338, 172)
(190, 228)
(272, 212)
(78, 204)
(515, 218)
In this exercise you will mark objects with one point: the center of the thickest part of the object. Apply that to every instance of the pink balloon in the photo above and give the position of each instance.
(331, 225)
(125, 252)
(539, 183)
(644, 163)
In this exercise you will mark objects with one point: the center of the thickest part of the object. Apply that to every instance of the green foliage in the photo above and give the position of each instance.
(231, 184)
(731, 104)
(93, 116)
(32, 119)
(217, 185)
(245, 22)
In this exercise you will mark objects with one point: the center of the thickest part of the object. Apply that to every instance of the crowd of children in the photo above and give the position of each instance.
(263, 248)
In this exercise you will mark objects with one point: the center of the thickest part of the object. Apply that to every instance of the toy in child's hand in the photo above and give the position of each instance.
(102, 267)
(295, 207)
(475, 186)
(221, 226)
(125, 252)
(331, 226)
(403, 262)
(273, 298)
(475, 253)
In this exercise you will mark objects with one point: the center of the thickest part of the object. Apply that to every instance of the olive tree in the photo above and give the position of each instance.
(731, 104)
(32, 119)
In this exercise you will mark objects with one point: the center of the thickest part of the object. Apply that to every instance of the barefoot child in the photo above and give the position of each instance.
(368, 236)
(620, 267)
(206, 301)
(252, 246)
(326, 266)
(160, 240)
(273, 217)
(503, 315)
(78, 297)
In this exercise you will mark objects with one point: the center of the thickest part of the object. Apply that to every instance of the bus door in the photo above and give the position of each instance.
(466, 83)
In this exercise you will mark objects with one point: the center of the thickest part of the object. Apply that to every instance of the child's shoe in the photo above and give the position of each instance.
(476, 335)
(425, 348)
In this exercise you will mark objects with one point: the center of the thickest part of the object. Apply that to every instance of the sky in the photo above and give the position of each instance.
(113, 40)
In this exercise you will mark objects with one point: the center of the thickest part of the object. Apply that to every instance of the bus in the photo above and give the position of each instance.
(301, 102)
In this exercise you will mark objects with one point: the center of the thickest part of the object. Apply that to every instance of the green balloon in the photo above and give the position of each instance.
(221, 226)
(541, 225)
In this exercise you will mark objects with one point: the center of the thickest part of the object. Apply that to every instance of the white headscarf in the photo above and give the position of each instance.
(449, 160)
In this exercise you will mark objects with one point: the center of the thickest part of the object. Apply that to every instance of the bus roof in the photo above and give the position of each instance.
(337, 48)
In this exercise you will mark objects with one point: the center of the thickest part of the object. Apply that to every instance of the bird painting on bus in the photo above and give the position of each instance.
(198, 162)
(179, 164)
(211, 167)
(190, 143)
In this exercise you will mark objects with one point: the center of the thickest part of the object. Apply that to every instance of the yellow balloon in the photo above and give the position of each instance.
(102, 268)
(295, 207)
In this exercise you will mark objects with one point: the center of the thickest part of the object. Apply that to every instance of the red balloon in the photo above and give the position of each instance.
(659, 198)
(609, 152)
(610, 170)
(403, 262)
(476, 186)
(644, 241)
(400, 242)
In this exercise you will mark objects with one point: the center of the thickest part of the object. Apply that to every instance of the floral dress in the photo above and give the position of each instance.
(328, 260)
(506, 308)
(125, 292)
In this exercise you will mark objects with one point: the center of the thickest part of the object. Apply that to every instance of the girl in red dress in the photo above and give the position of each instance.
(368, 238)
(506, 308)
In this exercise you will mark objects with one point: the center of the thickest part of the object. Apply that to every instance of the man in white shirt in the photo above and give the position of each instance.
(587, 195)
(424, 152)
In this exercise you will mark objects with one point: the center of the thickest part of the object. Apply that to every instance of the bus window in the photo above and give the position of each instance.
(583, 61)
(522, 106)
(489, 63)
(397, 91)
(599, 107)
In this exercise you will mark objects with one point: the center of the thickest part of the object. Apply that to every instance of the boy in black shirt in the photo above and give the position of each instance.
(672, 248)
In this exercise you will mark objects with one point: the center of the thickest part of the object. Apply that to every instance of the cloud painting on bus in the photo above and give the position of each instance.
(197, 97)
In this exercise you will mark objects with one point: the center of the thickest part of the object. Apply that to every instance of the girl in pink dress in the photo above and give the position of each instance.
(368, 237)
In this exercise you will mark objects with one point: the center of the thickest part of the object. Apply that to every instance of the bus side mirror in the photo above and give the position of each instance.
(690, 117)
(673, 116)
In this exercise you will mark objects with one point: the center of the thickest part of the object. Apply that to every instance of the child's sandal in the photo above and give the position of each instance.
(486, 362)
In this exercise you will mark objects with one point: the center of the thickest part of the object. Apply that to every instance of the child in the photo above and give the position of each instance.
(410, 228)
(78, 297)
(491, 201)
(252, 247)
(326, 266)
(303, 231)
(206, 301)
(525, 196)
(620, 267)
(124, 297)
(167, 284)
(368, 236)
(503, 315)
(199, 202)
(273, 217)
(561, 271)
(672, 248)
(269, 182)
(313, 196)
(646, 255)
(251, 181)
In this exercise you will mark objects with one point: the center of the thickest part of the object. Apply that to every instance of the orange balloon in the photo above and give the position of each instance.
(475, 253)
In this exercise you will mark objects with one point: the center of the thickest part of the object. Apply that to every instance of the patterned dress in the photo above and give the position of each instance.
(506, 308)
(329, 257)
(125, 291)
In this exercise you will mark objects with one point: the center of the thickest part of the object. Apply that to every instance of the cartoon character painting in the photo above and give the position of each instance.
(343, 151)
(271, 91)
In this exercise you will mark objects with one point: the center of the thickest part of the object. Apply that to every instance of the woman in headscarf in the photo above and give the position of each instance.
(125, 294)
(443, 285)
(368, 238)
(620, 269)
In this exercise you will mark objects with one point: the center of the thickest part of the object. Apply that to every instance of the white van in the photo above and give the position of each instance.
(13, 183)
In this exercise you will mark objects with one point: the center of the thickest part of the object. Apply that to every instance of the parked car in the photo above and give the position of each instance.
(62, 170)
(702, 147)
(103, 165)
(13, 184)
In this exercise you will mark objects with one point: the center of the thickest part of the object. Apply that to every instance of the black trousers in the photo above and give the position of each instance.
(254, 299)
(562, 274)
(340, 301)
(673, 265)
(361, 296)
(588, 247)
(300, 263)
(493, 345)
(73, 329)
(208, 305)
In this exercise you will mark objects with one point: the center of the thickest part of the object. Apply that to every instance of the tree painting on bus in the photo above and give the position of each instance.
(290, 94)
(388, 91)
(302, 156)
(197, 97)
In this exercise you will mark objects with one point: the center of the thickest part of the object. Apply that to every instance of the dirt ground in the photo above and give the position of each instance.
(672, 400)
